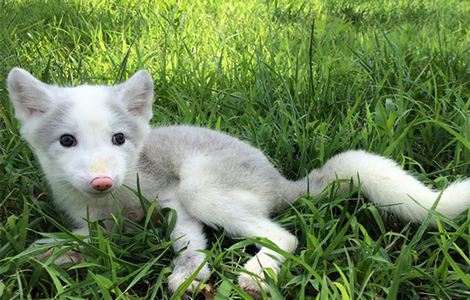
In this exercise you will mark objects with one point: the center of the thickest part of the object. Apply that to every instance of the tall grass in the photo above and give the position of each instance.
(302, 80)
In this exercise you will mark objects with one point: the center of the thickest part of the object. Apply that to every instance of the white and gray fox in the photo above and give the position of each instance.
(93, 140)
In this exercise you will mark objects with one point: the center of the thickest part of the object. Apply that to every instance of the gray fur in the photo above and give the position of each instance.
(30, 96)
(127, 124)
(235, 163)
(51, 125)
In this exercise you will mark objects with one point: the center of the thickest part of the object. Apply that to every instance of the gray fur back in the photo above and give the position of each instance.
(234, 163)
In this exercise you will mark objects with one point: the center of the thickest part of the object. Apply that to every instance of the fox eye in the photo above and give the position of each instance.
(68, 140)
(118, 139)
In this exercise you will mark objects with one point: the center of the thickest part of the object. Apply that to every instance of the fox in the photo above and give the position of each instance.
(92, 140)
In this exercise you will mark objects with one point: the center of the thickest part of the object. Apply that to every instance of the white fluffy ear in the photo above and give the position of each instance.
(137, 94)
(30, 97)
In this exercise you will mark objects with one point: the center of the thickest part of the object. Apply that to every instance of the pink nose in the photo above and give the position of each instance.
(101, 183)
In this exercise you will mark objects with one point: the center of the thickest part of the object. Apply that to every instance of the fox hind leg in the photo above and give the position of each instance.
(241, 211)
(253, 279)
(240, 221)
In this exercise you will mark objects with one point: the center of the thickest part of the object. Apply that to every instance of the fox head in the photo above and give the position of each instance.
(87, 138)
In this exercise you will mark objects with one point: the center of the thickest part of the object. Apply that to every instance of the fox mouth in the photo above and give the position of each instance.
(99, 194)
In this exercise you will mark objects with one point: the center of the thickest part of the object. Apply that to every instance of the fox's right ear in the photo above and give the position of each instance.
(30, 97)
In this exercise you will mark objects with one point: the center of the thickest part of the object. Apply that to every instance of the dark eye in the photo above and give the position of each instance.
(118, 139)
(68, 140)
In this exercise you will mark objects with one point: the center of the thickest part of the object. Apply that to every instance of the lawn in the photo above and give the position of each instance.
(302, 80)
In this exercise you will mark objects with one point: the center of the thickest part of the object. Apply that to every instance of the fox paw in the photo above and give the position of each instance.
(180, 275)
(70, 256)
(253, 281)
(135, 214)
(251, 284)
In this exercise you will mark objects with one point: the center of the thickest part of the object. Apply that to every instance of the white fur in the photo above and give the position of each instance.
(392, 188)
(207, 177)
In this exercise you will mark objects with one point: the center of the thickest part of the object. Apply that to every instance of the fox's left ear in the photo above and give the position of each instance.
(137, 94)
(30, 96)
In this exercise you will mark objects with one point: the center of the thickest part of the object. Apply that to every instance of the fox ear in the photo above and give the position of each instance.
(137, 94)
(30, 97)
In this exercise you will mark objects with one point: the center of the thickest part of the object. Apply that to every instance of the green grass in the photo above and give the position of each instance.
(302, 80)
